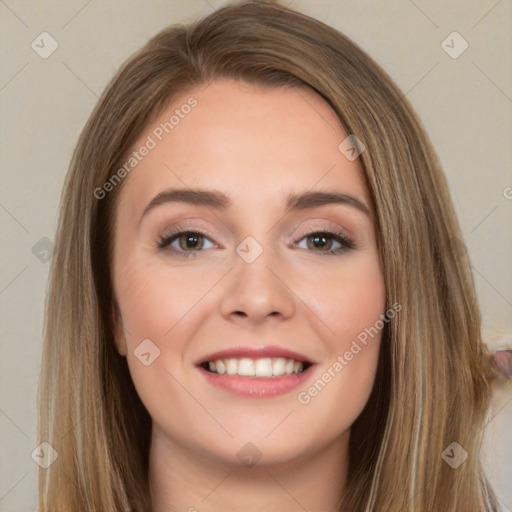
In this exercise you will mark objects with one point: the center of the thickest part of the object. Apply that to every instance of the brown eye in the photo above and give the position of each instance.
(319, 241)
(190, 240)
(326, 243)
(182, 242)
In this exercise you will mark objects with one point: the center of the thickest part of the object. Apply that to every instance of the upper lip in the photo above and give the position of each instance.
(254, 352)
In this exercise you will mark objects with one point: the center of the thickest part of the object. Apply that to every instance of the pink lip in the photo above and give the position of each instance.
(254, 353)
(256, 387)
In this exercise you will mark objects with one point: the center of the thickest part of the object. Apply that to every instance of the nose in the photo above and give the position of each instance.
(256, 291)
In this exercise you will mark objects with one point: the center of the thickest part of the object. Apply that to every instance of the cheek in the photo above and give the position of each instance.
(156, 305)
(352, 303)
(163, 306)
(154, 299)
(350, 300)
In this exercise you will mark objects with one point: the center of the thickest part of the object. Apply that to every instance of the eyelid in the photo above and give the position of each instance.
(179, 229)
(323, 225)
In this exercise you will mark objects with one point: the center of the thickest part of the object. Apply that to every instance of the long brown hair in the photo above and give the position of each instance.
(430, 389)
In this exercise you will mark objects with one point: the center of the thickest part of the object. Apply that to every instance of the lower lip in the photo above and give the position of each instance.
(256, 387)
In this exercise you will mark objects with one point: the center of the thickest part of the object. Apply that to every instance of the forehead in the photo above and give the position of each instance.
(250, 141)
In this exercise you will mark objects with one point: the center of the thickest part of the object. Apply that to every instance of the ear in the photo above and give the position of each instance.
(117, 323)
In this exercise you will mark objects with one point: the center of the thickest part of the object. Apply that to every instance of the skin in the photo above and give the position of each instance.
(255, 145)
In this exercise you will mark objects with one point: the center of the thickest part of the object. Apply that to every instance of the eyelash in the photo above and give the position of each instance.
(165, 241)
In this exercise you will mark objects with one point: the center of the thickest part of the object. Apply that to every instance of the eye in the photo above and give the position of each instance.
(188, 243)
(185, 241)
(323, 242)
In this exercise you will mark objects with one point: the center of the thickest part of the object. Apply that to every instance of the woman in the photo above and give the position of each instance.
(258, 293)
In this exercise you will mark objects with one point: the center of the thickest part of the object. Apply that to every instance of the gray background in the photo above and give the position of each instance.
(465, 104)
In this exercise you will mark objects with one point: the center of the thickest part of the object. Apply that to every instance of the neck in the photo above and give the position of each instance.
(183, 479)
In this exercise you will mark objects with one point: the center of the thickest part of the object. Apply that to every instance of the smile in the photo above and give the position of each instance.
(256, 378)
(263, 367)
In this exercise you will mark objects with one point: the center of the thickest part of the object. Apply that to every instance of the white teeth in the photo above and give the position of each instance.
(231, 366)
(246, 367)
(220, 366)
(264, 367)
(278, 366)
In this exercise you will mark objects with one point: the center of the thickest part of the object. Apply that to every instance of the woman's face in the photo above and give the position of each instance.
(263, 278)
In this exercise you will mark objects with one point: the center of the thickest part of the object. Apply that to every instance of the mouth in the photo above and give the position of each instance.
(256, 371)
(265, 367)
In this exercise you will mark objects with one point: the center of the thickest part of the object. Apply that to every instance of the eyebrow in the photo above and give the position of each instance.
(219, 201)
